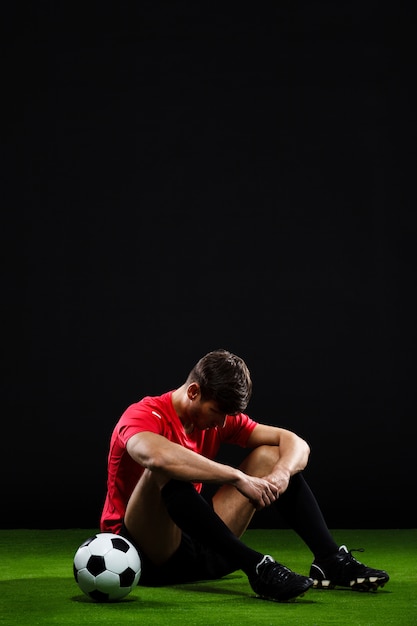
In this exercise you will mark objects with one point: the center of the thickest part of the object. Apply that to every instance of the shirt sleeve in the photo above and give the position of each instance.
(137, 420)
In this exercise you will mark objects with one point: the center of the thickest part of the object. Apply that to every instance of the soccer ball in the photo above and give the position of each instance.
(107, 567)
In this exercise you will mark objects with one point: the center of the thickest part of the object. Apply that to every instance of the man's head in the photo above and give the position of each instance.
(223, 378)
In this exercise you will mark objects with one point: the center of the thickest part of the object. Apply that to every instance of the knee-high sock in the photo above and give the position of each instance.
(301, 511)
(191, 512)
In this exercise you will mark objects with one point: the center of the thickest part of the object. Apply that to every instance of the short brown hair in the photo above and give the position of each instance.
(224, 378)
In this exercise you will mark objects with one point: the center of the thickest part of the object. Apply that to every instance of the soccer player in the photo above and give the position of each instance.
(163, 450)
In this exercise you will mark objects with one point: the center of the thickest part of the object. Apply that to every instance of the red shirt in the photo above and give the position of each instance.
(156, 414)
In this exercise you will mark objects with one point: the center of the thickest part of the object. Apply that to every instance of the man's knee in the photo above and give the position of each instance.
(154, 479)
(261, 460)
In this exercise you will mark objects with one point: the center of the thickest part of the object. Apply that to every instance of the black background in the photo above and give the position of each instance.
(182, 177)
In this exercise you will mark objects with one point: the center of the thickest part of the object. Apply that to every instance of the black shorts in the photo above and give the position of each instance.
(191, 562)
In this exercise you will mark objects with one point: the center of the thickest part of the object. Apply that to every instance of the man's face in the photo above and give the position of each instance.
(205, 415)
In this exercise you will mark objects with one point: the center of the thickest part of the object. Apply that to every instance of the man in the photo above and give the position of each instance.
(162, 451)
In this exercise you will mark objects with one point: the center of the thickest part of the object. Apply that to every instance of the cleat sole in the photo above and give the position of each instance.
(359, 584)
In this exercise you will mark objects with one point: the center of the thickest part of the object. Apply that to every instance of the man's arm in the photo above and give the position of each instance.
(171, 460)
(293, 452)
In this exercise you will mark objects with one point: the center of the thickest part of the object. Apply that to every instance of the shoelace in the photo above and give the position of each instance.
(356, 550)
(276, 572)
(352, 559)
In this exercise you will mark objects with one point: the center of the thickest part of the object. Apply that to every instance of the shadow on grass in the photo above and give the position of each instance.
(219, 589)
(83, 599)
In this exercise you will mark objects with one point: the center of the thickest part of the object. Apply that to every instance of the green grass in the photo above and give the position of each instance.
(37, 586)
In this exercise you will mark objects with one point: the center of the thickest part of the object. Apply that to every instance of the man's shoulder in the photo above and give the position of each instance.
(159, 406)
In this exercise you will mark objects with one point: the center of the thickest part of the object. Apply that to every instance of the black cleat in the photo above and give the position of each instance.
(343, 570)
(276, 582)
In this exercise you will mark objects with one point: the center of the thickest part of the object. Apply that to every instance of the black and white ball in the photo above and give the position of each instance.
(107, 567)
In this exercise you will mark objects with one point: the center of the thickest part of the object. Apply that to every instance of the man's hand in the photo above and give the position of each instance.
(260, 491)
(280, 479)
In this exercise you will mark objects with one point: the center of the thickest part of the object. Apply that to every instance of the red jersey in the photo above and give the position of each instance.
(156, 414)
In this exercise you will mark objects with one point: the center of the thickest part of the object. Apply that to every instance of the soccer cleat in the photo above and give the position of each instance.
(343, 570)
(276, 582)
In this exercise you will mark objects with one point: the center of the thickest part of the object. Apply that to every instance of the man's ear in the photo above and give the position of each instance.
(193, 391)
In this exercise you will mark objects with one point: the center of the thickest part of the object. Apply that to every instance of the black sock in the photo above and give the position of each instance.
(192, 513)
(302, 513)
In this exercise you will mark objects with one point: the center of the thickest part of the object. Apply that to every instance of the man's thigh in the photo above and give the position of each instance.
(148, 522)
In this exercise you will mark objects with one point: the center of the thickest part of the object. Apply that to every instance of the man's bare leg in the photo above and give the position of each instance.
(148, 522)
(234, 509)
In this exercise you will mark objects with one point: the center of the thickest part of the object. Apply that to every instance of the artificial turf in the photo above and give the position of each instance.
(38, 587)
